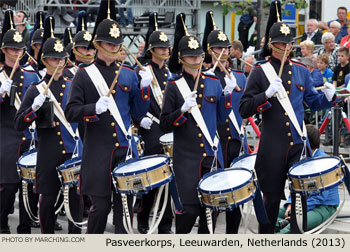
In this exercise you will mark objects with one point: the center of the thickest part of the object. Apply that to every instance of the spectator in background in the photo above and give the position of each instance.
(313, 34)
(329, 48)
(322, 65)
(20, 21)
(122, 16)
(341, 14)
(245, 22)
(236, 53)
(122, 56)
(343, 68)
(334, 28)
(248, 67)
(140, 49)
(307, 48)
(346, 40)
(315, 73)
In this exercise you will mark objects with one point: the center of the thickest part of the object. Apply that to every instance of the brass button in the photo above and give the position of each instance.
(226, 120)
(146, 96)
(116, 71)
(87, 120)
(22, 77)
(60, 142)
(287, 123)
(291, 143)
(113, 91)
(21, 84)
(60, 103)
(63, 85)
(201, 145)
(57, 123)
(203, 77)
(200, 95)
(63, 152)
(229, 137)
(289, 82)
(177, 124)
(110, 114)
(260, 109)
(28, 119)
(22, 70)
(289, 72)
(227, 129)
(126, 88)
(199, 105)
(164, 82)
(58, 133)
(285, 113)
(202, 85)
(19, 93)
(65, 78)
(118, 64)
(229, 104)
(289, 134)
(114, 134)
(166, 75)
(116, 144)
(197, 125)
(290, 63)
(23, 138)
(162, 91)
(199, 134)
(287, 92)
(204, 154)
(112, 124)
(61, 94)
(211, 99)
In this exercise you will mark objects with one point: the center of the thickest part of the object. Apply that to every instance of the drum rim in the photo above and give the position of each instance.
(27, 153)
(73, 161)
(239, 203)
(241, 157)
(226, 190)
(312, 174)
(166, 142)
(116, 173)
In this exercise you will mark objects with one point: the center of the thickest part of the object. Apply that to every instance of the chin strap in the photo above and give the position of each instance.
(112, 54)
(88, 57)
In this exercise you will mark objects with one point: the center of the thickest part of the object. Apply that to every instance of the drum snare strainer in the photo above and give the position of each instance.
(316, 174)
(226, 189)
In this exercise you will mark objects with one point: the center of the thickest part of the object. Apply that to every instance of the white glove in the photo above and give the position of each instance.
(190, 102)
(329, 91)
(230, 84)
(102, 105)
(6, 86)
(146, 77)
(146, 123)
(210, 72)
(38, 102)
(274, 87)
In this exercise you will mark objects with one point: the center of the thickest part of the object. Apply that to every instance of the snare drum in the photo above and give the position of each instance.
(244, 161)
(138, 176)
(226, 189)
(69, 171)
(316, 174)
(167, 141)
(26, 165)
(139, 144)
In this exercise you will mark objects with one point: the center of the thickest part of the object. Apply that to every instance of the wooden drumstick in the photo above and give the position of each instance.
(218, 59)
(31, 57)
(237, 88)
(282, 65)
(245, 62)
(320, 87)
(72, 63)
(197, 81)
(12, 72)
(50, 81)
(115, 79)
(133, 56)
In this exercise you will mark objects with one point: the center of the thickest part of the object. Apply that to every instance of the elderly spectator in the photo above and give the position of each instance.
(313, 34)
(329, 48)
(334, 28)
(346, 40)
(341, 14)
(248, 65)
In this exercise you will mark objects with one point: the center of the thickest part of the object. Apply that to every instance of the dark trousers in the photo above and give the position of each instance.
(185, 221)
(243, 33)
(7, 199)
(146, 207)
(233, 218)
(24, 219)
(118, 212)
(47, 212)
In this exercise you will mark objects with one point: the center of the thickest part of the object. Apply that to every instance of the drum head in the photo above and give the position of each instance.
(142, 164)
(244, 162)
(28, 160)
(314, 166)
(167, 138)
(228, 179)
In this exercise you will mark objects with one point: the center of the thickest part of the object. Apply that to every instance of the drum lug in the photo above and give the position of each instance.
(312, 185)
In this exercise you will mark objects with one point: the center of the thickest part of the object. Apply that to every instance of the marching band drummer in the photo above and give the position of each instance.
(157, 53)
(215, 41)
(55, 143)
(106, 136)
(13, 142)
(195, 144)
(282, 141)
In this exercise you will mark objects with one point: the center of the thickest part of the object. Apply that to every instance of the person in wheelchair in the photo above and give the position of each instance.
(319, 206)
